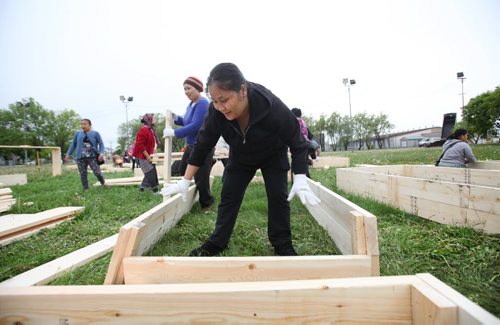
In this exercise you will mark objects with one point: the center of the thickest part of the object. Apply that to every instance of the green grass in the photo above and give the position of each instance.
(465, 259)
(410, 155)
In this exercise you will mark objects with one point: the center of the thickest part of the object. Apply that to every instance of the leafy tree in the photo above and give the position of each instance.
(26, 122)
(381, 125)
(481, 113)
(332, 128)
(362, 127)
(64, 127)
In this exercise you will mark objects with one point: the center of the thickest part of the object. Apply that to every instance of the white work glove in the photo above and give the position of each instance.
(182, 186)
(175, 117)
(301, 188)
(169, 132)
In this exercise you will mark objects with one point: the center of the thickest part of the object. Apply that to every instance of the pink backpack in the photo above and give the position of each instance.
(303, 127)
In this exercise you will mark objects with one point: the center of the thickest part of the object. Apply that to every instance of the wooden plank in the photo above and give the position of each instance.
(167, 163)
(4, 192)
(347, 301)
(56, 161)
(430, 307)
(125, 245)
(140, 234)
(440, 201)
(12, 223)
(5, 205)
(469, 313)
(162, 270)
(486, 164)
(25, 233)
(358, 234)
(50, 271)
(335, 214)
(331, 162)
(23, 146)
(451, 215)
(14, 179)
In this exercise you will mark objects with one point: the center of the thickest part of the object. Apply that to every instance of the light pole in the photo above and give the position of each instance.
(460, 75)
(126, 101)
(348, 82)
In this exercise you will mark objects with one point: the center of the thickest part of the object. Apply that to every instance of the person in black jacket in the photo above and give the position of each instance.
(259, 128)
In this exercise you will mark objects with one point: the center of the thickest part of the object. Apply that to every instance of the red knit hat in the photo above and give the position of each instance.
(195, 82)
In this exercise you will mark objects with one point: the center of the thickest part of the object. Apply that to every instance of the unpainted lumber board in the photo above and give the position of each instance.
(14, 179)
(339, 218)
(358, 234)
(149, 228)
(456, 175)
(15, 222)
(331, 162)
(430, 307)
(350, 301)
(341, 236)
(486, 164)
(451, 215)
(25, 233)
(121, 249)
(5, 191)
(469, 313)
(5, 205)
(50, 271)
(162, 270)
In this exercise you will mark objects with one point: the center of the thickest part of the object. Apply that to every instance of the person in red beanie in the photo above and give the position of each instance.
(143, 149)
(190, 125)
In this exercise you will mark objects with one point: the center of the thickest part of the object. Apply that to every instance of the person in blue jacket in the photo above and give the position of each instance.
(191, 123)
(89, 149)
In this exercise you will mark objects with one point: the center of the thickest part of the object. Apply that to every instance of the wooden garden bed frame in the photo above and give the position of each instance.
(454, 196)
(56, 156)
(417, 299)
(353, 229)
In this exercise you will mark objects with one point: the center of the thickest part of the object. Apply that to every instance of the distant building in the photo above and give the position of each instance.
(407, 139)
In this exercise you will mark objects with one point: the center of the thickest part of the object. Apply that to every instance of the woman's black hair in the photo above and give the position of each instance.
(297, 112)
(88, 121)
(142, 121)
(457, 133)
(226, 76)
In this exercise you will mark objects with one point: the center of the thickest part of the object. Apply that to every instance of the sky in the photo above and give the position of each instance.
(404, 55)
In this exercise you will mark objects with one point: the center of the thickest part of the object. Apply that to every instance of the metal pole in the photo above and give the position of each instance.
(463, 103)
(349, 91)
(128, 135)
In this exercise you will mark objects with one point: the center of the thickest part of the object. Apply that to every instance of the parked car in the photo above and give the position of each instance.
(429, 142)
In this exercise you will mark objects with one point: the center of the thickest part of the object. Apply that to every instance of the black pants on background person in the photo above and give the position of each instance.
(202, 177)
(236, 180)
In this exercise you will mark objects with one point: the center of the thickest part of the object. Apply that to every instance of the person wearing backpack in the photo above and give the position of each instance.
(456, 151)
(312, 145)
(89, 151)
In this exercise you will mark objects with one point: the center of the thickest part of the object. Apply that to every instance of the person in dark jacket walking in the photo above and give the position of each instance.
(89, 149)
(456, 151)
(191, 123)
(259, 128)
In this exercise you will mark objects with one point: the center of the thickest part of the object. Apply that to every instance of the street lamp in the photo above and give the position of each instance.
(126, 101)
(460, 75)
(348, 82)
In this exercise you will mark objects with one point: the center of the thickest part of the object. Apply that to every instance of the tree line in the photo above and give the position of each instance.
(358, 131)
(28, 122)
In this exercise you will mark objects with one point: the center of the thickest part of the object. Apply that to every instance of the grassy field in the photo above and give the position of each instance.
(463, 258)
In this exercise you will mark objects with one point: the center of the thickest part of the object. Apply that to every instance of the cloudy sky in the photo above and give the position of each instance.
(404, 55)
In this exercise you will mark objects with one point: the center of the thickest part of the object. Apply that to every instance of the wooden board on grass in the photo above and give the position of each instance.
(17, 226)
(140, 234)
(14, 179)
(420, 299)
(50, 271)
(169, 269)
